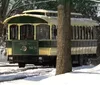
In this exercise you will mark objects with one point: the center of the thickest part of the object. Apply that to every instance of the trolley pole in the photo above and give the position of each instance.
(63, 62)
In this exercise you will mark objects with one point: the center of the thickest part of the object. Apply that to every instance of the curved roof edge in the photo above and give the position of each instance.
(18, 15)
(39, 10)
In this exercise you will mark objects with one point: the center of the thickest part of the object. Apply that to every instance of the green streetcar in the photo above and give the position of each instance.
(31, 38)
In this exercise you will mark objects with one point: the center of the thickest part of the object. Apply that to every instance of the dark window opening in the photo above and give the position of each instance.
(51, 14)
(84, 32)
(13, 32)
(54, 32)
(37, 13)
(95, 32)
(27, 32)
(42, 31)
(76, 16)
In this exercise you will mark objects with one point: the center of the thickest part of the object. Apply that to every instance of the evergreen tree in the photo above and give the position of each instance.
(87, 7)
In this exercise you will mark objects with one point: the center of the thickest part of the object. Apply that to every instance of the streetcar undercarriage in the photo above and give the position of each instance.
(77, 60)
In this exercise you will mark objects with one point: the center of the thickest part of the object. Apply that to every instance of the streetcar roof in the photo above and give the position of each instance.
(40, 10)
(47, 11)
(78, 22)
(53, 20)
(83, 22)
(21, 15)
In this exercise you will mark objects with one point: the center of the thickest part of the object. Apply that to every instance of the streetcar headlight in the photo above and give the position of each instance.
(10, 58)
(40, 58)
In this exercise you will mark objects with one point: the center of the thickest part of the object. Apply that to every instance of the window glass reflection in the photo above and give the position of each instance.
(27, 32)
(14, 32)
(43, 31)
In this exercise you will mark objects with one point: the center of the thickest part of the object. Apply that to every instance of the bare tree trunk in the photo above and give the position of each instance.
(1, 28)
(63, 63)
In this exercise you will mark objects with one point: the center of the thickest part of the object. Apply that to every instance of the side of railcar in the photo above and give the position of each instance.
(32, 39)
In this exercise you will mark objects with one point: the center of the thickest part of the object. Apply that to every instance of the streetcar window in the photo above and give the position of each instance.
(96, 32)
(54, 31)
(73, 32)
(89, 33)
(43, 31)
(80, 32)
(51, 14)
(37, 13)
(13, 32)
(76, 16)
(26, 32)
(83, 32)
(76, 32)
(92, 34)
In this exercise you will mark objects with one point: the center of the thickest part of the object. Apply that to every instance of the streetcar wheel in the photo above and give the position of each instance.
(21, 65)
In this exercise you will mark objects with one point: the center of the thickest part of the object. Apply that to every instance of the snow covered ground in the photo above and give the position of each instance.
(84, 75)
(2, 57)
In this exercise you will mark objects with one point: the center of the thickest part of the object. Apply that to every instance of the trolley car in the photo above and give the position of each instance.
(31, 38)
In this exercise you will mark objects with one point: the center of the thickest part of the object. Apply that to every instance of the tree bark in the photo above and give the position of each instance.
(63, 62)
(1, 28)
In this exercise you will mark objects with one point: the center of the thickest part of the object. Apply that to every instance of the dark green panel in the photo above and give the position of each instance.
(83, 43)
(74, 43)
(47, 43)
(25, 47)
(8, 44)
(26, 19)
